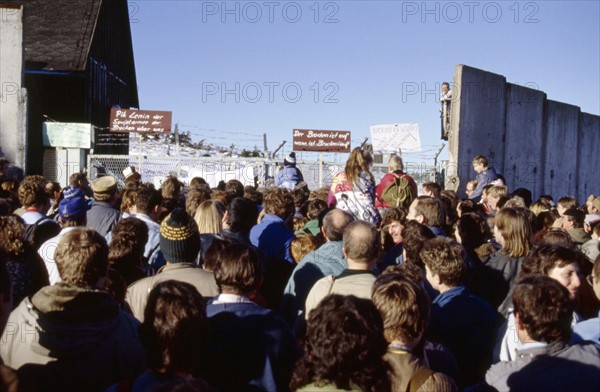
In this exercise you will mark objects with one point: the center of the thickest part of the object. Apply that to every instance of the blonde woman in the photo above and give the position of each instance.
(353, 190)
(209, 217)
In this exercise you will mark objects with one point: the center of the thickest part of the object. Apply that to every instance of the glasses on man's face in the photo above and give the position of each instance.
(590, 279)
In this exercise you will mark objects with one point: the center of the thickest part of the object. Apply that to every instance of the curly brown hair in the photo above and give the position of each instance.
(446, 258)
(344, 346)
(394, 214)
(279, 201)
(314, 208)
(82, 257)
(543, 308)
(12, 244)
(32, 192)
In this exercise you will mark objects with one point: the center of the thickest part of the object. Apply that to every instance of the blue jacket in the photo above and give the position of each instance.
(587, 330)
(484, 178)
(467, 325)
(273, 238)
(250, 348)
(288, 177)
(325, 261)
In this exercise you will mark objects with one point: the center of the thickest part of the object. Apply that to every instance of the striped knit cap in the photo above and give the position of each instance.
(179, 238)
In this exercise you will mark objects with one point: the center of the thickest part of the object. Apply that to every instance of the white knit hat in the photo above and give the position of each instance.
(290, 158)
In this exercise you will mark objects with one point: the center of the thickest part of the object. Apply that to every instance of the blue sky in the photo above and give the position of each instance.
(231, 71)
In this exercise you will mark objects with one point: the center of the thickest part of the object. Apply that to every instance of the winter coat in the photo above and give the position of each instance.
(494, 280)
(250, 348)
(102, 217)
(404, 365)
(273, 238)
(137, 293)
(288, 177)
(467, 325)
(555, 367)
(349, 282)
(484, 178)
(326, 260)
(81, 335)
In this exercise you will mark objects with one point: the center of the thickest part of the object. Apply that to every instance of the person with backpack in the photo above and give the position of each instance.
(39, 227)
(396, 188)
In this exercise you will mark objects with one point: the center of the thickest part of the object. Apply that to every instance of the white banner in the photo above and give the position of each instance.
(67, 135)
(389, 138)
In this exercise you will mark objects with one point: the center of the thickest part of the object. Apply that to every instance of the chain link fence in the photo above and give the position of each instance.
(250, 171)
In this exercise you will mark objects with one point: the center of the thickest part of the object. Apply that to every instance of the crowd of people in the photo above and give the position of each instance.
(359, 286)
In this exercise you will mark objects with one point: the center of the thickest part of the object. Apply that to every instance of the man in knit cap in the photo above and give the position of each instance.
(180, 244)
(289, 176)
(72, 211)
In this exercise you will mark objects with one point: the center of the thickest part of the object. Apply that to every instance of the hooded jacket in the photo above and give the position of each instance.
(82, 335)
(554, 367)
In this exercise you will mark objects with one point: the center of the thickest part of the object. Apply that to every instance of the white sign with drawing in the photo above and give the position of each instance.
(389, 138)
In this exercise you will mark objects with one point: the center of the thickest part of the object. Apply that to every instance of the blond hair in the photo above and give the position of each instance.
(209, 217)
(358, 162)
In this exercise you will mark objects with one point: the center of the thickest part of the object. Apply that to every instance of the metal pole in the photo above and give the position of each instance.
(140, 155)
(177, 150)
(320, 169)
(435, 160)
(363, 143)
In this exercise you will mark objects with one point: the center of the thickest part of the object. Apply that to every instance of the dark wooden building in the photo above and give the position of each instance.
(78, 65)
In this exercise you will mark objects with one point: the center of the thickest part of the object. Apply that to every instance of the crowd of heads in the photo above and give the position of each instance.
(442, 241)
